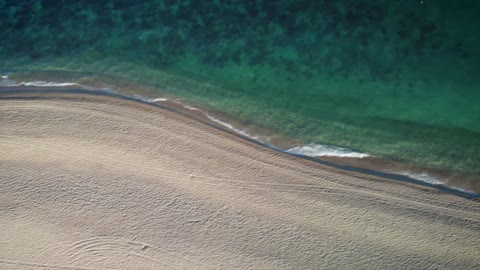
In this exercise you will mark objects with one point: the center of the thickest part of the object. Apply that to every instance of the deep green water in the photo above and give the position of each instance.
(399, 79)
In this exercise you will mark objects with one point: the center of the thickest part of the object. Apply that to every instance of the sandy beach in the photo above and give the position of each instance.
(102, 182)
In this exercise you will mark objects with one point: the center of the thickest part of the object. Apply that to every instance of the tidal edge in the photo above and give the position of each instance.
(20, 93)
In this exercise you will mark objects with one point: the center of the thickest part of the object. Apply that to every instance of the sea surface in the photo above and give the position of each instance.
(394, 80)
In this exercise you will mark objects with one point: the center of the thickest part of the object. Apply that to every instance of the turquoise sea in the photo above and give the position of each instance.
(398, 80)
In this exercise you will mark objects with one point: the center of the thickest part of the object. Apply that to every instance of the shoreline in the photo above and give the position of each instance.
(368, 165)
(91, 177)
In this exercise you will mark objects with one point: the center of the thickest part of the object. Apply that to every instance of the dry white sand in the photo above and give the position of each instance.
(92, 182)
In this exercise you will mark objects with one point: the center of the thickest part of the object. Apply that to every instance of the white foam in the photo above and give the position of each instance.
(463, 190)
(137, 96)
(47, 84)
(12, 83)
(424, 177)
(318, 150)
(180, 101)
(229, 126)
(190, 107)
(157, 99)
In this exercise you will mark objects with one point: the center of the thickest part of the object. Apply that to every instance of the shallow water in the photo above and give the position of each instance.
(396, 80)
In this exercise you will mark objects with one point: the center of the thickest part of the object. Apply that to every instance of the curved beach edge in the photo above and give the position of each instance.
(32, 92)
(95, 180)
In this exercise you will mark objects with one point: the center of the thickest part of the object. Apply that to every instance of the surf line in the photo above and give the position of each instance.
(23, 93)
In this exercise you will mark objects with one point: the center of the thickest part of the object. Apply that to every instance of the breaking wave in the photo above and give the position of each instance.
(157, 99)
(318, 150)
(229, 126)
(5, 81)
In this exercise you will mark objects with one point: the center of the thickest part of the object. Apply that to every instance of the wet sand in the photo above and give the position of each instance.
(101, 182)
